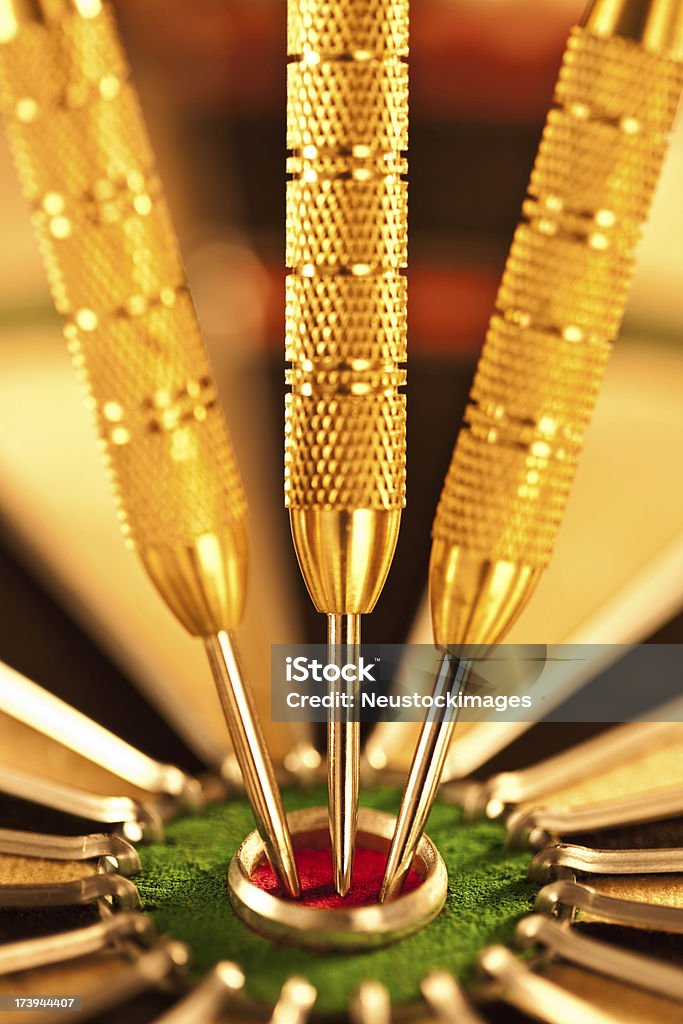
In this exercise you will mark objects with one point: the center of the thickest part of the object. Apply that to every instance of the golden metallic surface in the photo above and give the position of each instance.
(658, 26)
(473, 598)
(423, 779)
(447, 999)
(555, 940)
(15, 13)
(347, 236)
(560, 302)
(116, 275)
(328, 27)
(345, 451)
(295, 1002)
(346, 245)
(343, 750)
(627, 1004)
(370, 1003)
(252, 754)
(521, 987)
(338, 318)
(26, 702)
(204, 583)
(344, 555)
(345, 930)
(558, 310)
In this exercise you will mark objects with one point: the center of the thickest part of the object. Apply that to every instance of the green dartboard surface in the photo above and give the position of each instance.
(183, 887)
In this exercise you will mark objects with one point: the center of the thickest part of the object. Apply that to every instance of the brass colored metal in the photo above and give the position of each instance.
(28, 954)
(295, 1002)
(108, 848)
(211, 999)
(558, 310)
(565, 942)
(203, 583)
(26, 702)
(555, 860)
(345, 929)
(569, 900)
(344, 555)
(473, 597)
(252, 754)
(73, 893)
(423, 780)
(137, 820)
(343, 751)
(370, 1003)
(447, 1000)
(538, 826)
(163, 966)
(515, 983)
(347, 130)
(658, 25)
(560, 778)
(116, 274)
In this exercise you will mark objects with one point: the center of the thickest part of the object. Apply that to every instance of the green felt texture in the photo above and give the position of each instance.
(183, 887)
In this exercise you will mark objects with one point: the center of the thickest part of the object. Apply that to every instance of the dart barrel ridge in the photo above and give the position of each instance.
(347, 130)
(115, 271)
(558, 310)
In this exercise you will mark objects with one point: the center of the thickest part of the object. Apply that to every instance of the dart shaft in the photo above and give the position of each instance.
(343, 747)
(252, 754)
(424, 777)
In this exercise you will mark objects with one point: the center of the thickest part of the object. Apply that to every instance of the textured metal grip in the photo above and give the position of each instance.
(116, 275)
(560, 302)
(346, 245)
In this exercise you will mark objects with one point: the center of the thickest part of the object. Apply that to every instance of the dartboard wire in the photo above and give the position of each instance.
(536, 834)
(108, 909)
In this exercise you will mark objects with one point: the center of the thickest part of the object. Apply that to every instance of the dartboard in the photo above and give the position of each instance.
(136, 877)
(547, 886)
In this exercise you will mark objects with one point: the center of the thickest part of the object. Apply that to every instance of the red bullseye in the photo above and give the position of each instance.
(317, 885)
(320, 919)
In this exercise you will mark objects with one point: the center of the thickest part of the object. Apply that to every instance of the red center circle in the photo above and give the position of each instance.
(317, 884)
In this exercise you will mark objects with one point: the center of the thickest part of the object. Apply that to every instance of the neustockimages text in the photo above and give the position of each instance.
(301, 670)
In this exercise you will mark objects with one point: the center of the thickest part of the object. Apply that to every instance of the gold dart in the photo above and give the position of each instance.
(86, 168)
(558, 310)
(347, 127)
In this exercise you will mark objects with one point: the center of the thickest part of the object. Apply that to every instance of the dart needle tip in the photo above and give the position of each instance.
(343, 751)
(342, 841)
(342, 877)
(392, 884)
(290, 880)
(281, 857)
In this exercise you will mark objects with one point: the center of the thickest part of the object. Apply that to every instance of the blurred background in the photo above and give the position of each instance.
(78, 614)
